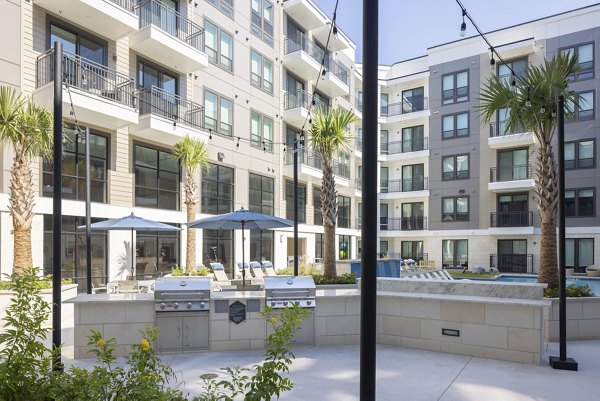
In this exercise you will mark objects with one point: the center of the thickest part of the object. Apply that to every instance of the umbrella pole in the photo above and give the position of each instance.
(132, 255)
(243, 257)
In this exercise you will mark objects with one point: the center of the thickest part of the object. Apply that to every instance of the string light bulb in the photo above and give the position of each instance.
(528, 100)
(335, 29)
(463, 26)
(492, 61)
(513, 83)
(210, 133)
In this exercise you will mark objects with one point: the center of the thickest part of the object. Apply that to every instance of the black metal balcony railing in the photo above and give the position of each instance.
(300, 98)
(511, 173)
(164, 104)
(359, 142)
(300, 42)
(405, 185)
(406, 224)
(314, 159)
(154, 12)
(409, 105)
(339, 70)
(88, 76)
(128, 5)
(359, 103)
(511, 219)
(498, 129)
(407, 146)
(512, 263)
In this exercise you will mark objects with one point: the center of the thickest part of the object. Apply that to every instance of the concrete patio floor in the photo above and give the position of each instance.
(332, 373)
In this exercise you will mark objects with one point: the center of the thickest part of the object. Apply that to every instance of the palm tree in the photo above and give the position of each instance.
(193, 156)
(532, 106)
(28, 128)
(328, 136)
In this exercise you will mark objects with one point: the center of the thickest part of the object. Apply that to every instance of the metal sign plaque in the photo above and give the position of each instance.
(237, 312)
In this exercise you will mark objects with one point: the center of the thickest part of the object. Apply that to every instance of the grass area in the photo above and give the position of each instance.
(472, 275)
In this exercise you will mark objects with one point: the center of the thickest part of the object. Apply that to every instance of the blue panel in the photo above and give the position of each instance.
(356, 269)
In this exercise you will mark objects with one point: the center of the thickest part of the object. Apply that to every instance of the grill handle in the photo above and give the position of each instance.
(178, 332)
(294, 292)
(173, 294)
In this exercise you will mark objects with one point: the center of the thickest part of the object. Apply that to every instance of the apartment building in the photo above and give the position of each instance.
(460, 192)
(140, 75)
(244, 77)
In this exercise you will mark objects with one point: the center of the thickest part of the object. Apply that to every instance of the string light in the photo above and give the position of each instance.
(528, 101)
(492, 61)
(238, 142)
(463, 26)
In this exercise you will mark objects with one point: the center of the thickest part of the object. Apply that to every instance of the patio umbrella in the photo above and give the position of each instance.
(133, 223)
(241, 219)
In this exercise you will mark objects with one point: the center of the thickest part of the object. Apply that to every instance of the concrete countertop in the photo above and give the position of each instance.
(217, 295)
(465, 298)
(103, 298)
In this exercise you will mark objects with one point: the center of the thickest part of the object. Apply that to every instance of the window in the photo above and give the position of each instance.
(217, 246)
(217, 189)
(156, 178)
(262, 72)
(317, 215)
(384, 181)
(226, 6)
(413, 177)
(413, 100)
(343, 219)
(505, 71)
(261, 194)
(73, 251)
(261, 131)
(412, 139)
(359, 101)
(411, 250)
(384, 247)
(513, 165)
(344, 247)
(218, 113)
(585, 60)
(502, 124)
(79, 44)
(455, 87)
(319, 246)
(455, 125)
(455, 208)
(261, 244)
(580, 154)
(383, 216)
(289, 201)
(455, 167)
(581, 107)
(262, 20)
(157, 252)
(383, 104)
(579, 253)
(455, 253)
(580, 202)
(384, 141)
(218, 46)
(150, 75)
(412, 216)
(73, 167)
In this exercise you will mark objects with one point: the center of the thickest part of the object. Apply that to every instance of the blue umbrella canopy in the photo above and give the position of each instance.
(241, 220)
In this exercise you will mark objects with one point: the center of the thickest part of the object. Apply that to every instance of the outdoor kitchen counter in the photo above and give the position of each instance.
(103, 298)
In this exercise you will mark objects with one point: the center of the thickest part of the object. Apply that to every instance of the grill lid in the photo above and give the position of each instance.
(192, 286)
(287, 283)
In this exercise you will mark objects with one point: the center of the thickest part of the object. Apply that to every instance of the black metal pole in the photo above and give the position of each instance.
(88, 215)
(562, 362)
(296, 150)
(243, 258)
(57, 208)
(368, 306)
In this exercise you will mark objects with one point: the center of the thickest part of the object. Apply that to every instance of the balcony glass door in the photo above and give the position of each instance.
(512, 256)
(167, 16)
(295, 89)
(413, 177)
(513, 210)
(412, 216)
(512, 165)
(383, 216)
(412, 139)
(411, 250)
(162, 102)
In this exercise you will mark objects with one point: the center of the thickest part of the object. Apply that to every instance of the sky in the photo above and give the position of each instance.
(408, 27)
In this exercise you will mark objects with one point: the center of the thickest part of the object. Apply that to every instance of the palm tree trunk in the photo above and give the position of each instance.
(546, 189)
(190, 188)
(21, 210)
(329, 212)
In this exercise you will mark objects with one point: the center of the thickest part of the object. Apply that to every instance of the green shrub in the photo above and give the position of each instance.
(573, 291)
(347, 278)
(303, 270)
(177, 271)
(199, 272)
(41, 283)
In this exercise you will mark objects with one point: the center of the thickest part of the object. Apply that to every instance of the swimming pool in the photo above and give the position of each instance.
(593, 283)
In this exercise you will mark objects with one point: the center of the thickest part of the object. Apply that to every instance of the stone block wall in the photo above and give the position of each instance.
(583, 319)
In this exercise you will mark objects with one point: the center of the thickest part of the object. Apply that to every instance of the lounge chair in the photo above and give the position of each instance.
(268, 267)
(127, 287)
(445, 273)
(219, 273)
(257, 271)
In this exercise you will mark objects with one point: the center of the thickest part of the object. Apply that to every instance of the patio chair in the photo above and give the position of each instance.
(445, 274)
(98, 287)
(257, 271)
(127, 287)
(268, 266)
(219, 273)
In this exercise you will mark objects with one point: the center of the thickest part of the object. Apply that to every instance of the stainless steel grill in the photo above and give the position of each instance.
(282, 291)
(181, 294)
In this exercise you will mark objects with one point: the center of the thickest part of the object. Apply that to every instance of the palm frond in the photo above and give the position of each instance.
(192, 154)
(328, 134)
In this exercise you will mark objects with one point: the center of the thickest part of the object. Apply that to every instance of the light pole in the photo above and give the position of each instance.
(298, 146)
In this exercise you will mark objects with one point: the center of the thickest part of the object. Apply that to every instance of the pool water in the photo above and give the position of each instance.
(593, 283)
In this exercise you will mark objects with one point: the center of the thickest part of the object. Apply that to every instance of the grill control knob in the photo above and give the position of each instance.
(285, 303)
(297, 303)
(308, 302)
(176, 305)
(189, 305)
(162, 305)
(202, 305)
(273, 303)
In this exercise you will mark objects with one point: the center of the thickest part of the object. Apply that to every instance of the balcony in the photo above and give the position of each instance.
(100, 96)
(404, 150)
(512, 263)
(112, 19)
(305, 12)
(167, 118)
(336, 42)
(296, 105)
(413, 107)
(302, 56)
(310, 165)
(511, 178)
(403, 224)
(406, 188)
(168, 38)
(336, 79)
(500, 139)
(511, 219)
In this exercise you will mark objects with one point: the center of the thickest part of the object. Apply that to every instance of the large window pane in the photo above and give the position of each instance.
(156, 178)
(217, 190)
